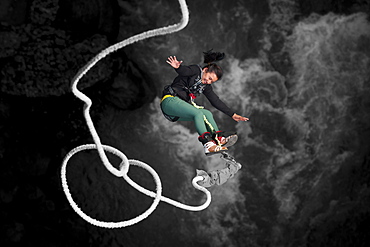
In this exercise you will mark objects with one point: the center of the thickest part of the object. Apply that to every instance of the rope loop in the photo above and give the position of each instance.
(123, 174)
(124, 165)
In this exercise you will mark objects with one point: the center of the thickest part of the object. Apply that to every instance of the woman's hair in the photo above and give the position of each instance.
(209, 58)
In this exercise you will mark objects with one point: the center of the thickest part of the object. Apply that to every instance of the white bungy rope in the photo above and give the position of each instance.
(124, 166)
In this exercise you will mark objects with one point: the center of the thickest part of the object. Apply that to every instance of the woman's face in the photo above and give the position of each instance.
(208, 78)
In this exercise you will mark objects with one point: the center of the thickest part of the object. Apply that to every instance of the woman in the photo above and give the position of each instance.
(178, 101)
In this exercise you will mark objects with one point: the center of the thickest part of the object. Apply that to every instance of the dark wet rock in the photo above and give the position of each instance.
(308, 7)
(130, 89)
(83, 19)
(40, 59)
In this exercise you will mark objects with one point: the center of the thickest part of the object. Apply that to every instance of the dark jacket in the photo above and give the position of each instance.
(187, 77)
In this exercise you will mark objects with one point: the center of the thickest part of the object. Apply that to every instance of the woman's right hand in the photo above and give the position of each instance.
(173, 62)
(238, 118)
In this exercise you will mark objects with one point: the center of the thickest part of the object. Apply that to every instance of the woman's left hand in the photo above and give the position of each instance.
(238, 118)
(173, 62)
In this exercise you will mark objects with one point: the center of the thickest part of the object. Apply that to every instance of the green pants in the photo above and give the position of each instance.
(177, 107)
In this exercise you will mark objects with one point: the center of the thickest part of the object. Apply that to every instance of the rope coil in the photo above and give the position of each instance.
(124, 166)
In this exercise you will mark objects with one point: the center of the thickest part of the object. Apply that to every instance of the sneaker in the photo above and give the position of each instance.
(226, 139)
(212, 148)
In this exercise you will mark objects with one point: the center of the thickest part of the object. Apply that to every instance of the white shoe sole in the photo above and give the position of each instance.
(233, 139)
(218, 152)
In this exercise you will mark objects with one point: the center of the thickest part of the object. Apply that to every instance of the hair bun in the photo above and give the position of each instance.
(212, 56)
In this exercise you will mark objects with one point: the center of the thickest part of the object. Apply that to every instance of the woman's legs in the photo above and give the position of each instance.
(175, 106)
(203, 119)
(210, 121)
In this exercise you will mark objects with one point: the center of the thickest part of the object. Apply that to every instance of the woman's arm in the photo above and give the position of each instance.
(220, 105)
(216, 102)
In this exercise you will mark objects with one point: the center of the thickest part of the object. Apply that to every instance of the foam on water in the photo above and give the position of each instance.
(298, 123)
